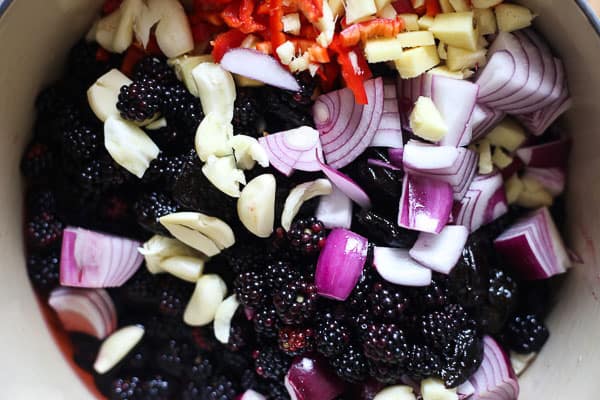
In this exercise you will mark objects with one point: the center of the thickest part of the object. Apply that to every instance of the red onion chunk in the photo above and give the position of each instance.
(440, 252)
(311, 378)
(296, 149)
(259, 66)
(340, 264)
(484, 202)
(92, 259)
(483, 120)
(496, 74)
(347, 186)
(554, 154)
(455, 166)
(552, 179)
(335, 210)
(89, 311)
(347, 128)
(396, 156)
(533, 247)
(397, 267)
(495, 379)
(389, 132)
(425, 204)
(514, 167)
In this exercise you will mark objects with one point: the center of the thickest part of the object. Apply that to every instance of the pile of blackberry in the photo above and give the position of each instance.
(381, 333)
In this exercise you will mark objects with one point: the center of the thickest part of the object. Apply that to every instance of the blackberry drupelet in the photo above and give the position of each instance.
(384, 231)
(385, 372)
(182, 110)
(246, 114)
(266, 322)
(150, 207)
(44, 231)
(80, 143)
(501, 301)
(173, 357)
(350, 365)
(43, 270)
(421, 362)
(126, 388)
(526, 333)
(359, 297)
(135, 388)
(385, 343)
(101, 174)
(38, 161)
(165, 170)
(271, 363)
(296, 302)
(249, 288)
(140, 101)
(279, 274)
(219, 388)
(158, 388)
(360, 324)
(439, 328)
(200, 368)
(307, 236)
(295, 341)
(461, 358)
(174, 295)
(389, 302)
(332, 335)
(40, 200)
(154, 68)
(276, 391)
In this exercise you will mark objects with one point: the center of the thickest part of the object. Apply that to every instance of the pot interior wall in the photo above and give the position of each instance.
(33, 44)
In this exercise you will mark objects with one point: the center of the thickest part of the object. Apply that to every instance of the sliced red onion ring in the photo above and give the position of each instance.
(335, 210)
(483, 120)
(311, 378)
(95, 260)
(89, 311)
(552, 179)
(538, 122)
(296, 149)
(259, 66)
(547, 155)
(440, 252)
(533, 247)
(346, 185)
(499, 70)
(425, 204)
(340, 264)
(495, 379)
(347, 128)
(396, 156)
(397, 267)
(389, 132)
(484, 202)
(455, 166)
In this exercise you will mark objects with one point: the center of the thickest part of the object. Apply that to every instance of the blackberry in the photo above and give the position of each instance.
(239, 333)
(432, 297)
(286, 109)
(172, 358)
(204, 339)
(38, 161)
(244, 257)
(250, 380)
(165, 170)
(219, 388)
(526, 333)
(100, 174)
(246, 114)
(51, 100)
(44, 230)
(384, 231)
(199, 369)
(276, 391)
(359, 297)
(138, 358)
(82, 63)
(439, 328)
(250, 288)
(279, 274)
(85, 349)
(158, 388)
(350, 365)
(461, 358)
(80, 143)
(40, 200)
(43, 270)
(266, 321)
(501, 301)
(271, 363)
(140, 100)
(160, 328)
(296, 302)
(467, 283)
(150, 207)
(388, 302)
(174, 295)
(134, 388)
(141, 291)
(126, 388)
(307, 236)
(182, 110)
(421, 362)
(169, 140)
(360, 324)
(385, 343)
(385, 372)
(296, 340)
(154, 68)
(235, 363)
(332, 335)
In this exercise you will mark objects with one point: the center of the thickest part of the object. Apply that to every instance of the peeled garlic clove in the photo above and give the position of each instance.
(216, 89)
(213, 136)
(106, 28)
(184, 66)
(248, 152)
(434, 389)
(300, 194)
(521, 362)
(173, 32)
(104, 93)
(223, 317)
(209, 293)
(158, 247)
(256, 205)
(185, 268)
(157, 124)
(129, 145)
(398, 392)
(124, 33)
(116, 347)
(144, 22)
(223, 173)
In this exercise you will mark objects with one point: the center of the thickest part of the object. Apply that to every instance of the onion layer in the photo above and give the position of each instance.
(296, 149)
(335, 210)
(389, 132)
(346, 185)
(440, 252)
(397, 267)
(495, 378)
(310, 378)
(340, 264)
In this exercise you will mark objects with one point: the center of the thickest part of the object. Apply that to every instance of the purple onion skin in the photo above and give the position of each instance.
(310, 378)
(340, 264)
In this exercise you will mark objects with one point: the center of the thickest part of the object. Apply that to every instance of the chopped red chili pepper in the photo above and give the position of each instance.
(328, 74)
(379, 27)
(111, 5)
(354, 67)
(275, 23)
(239, 15)
(312, 9)
(132, 56)
(432, 8)
(202, 32)
(102, 55)
(226, 41)
(403, 7)
(264, 47)
(210, 5)
(318, 54)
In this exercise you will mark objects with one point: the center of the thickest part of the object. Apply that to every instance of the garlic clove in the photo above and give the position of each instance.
(207, 297)
(300, 194)
(223, 317)
(213, 136)
(256, 205)
(116, 347)
(183, 267)
(224, 174)
(104, 93)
